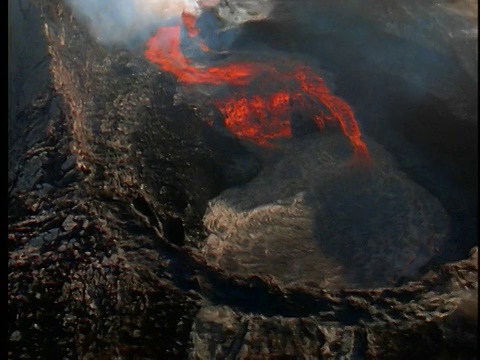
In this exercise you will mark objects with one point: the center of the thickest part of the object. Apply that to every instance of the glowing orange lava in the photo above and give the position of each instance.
(163, 49)
(189, 21)
(258, 118)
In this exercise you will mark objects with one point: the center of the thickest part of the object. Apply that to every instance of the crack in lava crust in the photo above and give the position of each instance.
(258, 118)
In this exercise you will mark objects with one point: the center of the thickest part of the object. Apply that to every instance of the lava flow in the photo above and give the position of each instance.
(258, 118)
(163, 49)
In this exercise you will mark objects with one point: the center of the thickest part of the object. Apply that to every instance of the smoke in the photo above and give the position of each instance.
(414, 39)
(121, 21)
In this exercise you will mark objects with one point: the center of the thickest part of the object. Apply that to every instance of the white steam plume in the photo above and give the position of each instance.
(117, 22)
(121, 21)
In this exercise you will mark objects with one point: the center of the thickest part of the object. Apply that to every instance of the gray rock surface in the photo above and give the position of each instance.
(315, 216)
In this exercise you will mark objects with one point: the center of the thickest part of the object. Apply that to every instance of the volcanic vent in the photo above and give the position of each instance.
(326, 209)
(257, 118)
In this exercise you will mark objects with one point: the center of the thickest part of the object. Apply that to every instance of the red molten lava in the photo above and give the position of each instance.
(189, 21)
(163, 49)
(314, 85)
(258, 118)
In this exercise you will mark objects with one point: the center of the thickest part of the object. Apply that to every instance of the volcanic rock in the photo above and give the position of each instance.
(105, 258)
(315, 216)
